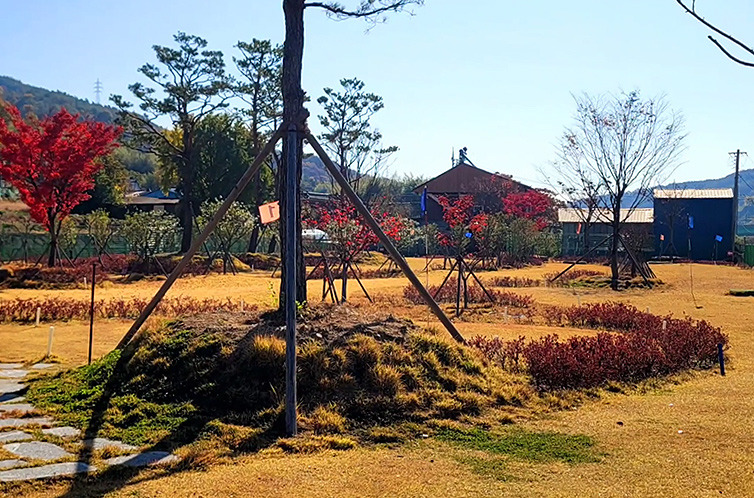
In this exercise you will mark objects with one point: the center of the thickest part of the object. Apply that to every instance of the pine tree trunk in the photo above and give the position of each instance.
(187, 219)
(293, 111)
(254, 239)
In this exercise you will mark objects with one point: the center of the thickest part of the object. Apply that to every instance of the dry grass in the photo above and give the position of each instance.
(646, 454)
(6, 205)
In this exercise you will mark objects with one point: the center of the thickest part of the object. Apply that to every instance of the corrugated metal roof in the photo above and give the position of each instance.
(638, 215)
(707, 193)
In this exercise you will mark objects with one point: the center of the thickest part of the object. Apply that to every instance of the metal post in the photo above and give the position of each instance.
(91, 312)
(290, 282)
(458, 287)
(721, 358)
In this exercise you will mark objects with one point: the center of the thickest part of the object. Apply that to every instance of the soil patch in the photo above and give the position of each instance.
(326, 325)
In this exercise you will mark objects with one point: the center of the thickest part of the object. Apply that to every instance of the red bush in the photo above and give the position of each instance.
(475, 295)
(508, 354)
(514, 282)
(570, 276)
(641, 347)
(58, 309)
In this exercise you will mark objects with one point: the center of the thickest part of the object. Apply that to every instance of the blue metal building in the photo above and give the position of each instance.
(694, 224)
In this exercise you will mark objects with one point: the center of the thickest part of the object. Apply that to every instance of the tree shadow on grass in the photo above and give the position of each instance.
(116, 477)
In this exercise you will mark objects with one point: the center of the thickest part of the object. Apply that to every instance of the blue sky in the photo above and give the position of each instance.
(494, 76)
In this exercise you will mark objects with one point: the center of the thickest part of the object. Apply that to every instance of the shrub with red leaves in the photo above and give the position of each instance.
(508, 354)
(82, 269)
(514, 282)
(475, 295)
(641, 346)
(570, 276)
(57, 309)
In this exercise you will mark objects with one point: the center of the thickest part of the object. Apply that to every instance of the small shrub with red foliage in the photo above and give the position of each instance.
(638, 346)
(571, 276)
(81, 269)
(514, 282)
(508, 354)
(319, 272)
(59, 309)
(475, 295)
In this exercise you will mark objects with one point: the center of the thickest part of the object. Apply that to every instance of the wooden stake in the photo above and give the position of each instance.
(199, 240)
(91, 312)
(39, 312)
(384, 239)
(49, 341)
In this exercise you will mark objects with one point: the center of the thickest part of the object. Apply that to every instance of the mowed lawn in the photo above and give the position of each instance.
(694, 438)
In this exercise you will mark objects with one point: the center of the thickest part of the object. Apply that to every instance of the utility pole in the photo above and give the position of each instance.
(734, 222)
(98, 90)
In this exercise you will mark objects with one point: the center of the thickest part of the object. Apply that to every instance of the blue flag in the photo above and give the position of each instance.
(691, 222)
(424, 201)
(719, 238)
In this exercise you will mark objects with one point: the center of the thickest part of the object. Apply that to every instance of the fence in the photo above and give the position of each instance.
(30, 247)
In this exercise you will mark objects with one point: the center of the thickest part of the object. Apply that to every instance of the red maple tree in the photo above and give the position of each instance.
(52, 163)
(532, 205)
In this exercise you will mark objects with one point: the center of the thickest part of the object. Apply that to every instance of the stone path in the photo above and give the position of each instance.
(33, 459)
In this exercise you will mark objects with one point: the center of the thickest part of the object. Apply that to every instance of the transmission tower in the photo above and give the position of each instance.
(98, 90)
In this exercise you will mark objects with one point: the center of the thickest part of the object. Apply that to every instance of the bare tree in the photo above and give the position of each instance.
(293, 97)
(735, 41)
(619, 148)
(577, 189)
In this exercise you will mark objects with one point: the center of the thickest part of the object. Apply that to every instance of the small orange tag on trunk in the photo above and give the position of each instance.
(269, 212)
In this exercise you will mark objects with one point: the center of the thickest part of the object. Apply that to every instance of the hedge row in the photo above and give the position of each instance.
(639, 345)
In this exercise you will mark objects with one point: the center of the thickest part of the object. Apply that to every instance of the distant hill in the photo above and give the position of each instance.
(745, 183)
(42, 102)
(745, 187)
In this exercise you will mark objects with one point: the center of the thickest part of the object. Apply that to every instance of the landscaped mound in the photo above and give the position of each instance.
(222, 375)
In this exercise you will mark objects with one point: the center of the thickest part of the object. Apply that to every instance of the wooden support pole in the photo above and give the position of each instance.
(384, 239)
(291, 236)
(447, 277)
(583, 256)
(199, 240)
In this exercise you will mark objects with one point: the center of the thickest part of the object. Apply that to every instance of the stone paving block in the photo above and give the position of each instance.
(11, 366)
(37, 450)
(23, 422)
(42, 366)
(16, 407)
(99, 443)
(14, 437)
(9, 464)
(13, 374)
(53, 470)
(64, 432)
(10, 387)
(143, 459)
(6, 399)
